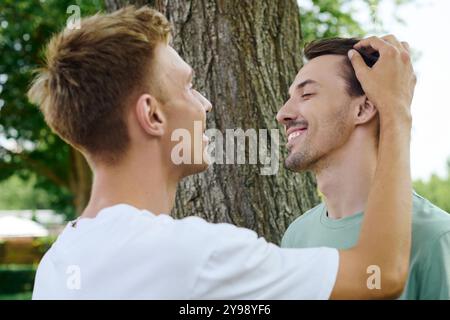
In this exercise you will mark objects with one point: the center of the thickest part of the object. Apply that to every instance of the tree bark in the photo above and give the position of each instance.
(245, 55)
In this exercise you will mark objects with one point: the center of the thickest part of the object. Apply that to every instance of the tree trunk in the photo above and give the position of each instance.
(245, 55)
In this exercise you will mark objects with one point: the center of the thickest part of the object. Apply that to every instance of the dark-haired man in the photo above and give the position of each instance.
(333, 130)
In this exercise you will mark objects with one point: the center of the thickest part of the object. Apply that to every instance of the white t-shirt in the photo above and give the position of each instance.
(127, 253)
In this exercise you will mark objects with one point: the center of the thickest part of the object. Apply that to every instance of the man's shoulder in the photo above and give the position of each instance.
(301, 223)
(430, 222)
(140, 232)
(192, 235)
(136, 221)
(309, 216)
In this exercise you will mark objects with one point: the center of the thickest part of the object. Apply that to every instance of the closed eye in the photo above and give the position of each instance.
(307, 95)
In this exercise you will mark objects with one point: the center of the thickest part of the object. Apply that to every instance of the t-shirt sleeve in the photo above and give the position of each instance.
(286, 241)
(436, 277)
(243, 266)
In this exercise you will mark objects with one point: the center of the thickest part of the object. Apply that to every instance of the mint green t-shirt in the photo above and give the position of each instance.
(429, 270)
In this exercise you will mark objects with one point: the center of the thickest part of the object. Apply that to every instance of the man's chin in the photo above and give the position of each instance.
(193, 169)
(202, 167)
(297, 162)
(293, 168)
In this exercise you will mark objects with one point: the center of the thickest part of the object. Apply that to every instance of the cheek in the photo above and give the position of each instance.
(199, 116)
(337, 127)
(184, 110)
(192, 104)
(315, 114)
(326, 122)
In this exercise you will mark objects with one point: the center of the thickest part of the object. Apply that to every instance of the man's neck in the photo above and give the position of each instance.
(345, 180)
(141, 183)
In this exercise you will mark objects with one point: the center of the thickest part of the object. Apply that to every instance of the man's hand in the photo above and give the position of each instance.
(390, 83)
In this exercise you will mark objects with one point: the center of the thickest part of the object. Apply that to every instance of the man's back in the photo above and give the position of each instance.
(429, 272)
(126, 253)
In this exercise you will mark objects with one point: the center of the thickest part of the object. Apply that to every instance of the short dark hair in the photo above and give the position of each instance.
(340, 46)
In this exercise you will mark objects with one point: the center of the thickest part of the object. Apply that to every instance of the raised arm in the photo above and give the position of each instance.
(385, 238)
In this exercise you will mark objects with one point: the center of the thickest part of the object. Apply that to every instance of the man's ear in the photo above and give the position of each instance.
(150, 116)
(365, 111)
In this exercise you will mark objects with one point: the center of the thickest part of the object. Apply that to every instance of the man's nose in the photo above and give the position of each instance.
(206, 103)
(285, 114)
(208, 106)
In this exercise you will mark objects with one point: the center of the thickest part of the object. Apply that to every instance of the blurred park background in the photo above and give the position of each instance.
(40, 187)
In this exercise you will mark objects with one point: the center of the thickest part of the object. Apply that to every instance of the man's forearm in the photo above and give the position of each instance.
(386, 229)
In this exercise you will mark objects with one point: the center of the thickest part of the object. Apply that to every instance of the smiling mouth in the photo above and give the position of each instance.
(296, 134)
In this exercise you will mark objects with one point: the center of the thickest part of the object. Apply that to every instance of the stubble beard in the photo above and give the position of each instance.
(309, 158)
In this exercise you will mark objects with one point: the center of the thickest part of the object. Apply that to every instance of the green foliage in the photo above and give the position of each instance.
(17, 296)
(331, 18)
(28, 148)
(16, 279)
(43, 244)
(19, 194)
(326, 18)
(436, 189)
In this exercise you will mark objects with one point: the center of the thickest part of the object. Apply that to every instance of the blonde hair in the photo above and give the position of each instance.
(90, 74)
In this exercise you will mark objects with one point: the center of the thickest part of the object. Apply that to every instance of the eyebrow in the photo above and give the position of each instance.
(302, 84)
